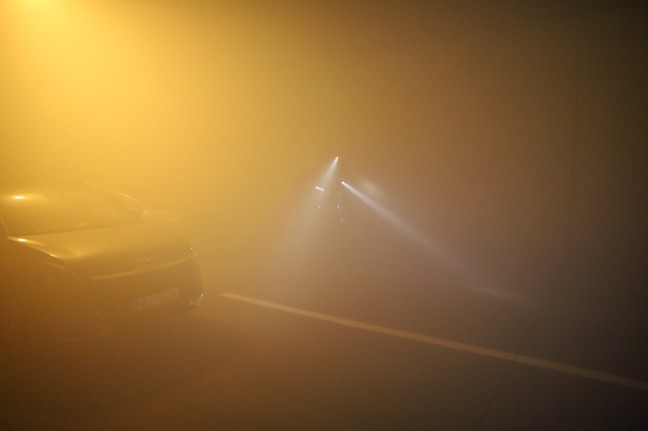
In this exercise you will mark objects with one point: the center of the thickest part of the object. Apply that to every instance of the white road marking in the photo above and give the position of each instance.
(448, 344)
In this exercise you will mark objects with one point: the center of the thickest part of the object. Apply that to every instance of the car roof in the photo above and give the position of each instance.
(9, 189)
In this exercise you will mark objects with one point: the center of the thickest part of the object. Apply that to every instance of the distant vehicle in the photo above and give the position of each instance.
(328, 197)
(331, 207)
(76, 262)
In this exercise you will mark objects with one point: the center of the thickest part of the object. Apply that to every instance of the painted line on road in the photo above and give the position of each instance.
(453, 345)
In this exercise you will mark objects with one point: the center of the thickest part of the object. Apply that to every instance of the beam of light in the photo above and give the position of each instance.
(300, 234)
(470, 280)
(326, 177)
(408, 230)
(19, 197)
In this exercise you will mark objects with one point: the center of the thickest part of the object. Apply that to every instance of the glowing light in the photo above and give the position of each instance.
(410, 231)
(470, 280)
(36, 5)
(19, 197)
(325, 180)
(34, 2)
(319, 188)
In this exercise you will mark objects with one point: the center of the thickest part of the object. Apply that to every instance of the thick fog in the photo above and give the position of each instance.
(510, 136)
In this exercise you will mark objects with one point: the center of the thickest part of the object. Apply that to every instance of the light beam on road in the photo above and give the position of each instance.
(412, 233)
(469, 279)
(300, 234)
(325, 180)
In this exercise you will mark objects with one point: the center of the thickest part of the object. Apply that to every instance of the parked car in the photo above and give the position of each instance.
(76, 262)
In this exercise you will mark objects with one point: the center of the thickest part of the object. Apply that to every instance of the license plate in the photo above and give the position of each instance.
(155, 300)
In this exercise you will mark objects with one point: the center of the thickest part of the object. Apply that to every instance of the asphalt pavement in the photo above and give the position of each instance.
(337, 338)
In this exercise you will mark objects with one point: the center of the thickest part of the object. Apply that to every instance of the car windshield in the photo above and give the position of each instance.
(60, 209)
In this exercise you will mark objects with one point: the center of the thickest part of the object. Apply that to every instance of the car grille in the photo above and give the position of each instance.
(114, 296)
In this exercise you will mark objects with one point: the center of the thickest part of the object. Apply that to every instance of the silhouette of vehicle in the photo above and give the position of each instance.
(77, 263)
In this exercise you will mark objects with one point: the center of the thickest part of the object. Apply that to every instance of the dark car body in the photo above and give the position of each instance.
(75, 262)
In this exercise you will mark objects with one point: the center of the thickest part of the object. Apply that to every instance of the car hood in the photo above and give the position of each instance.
(111, 250)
